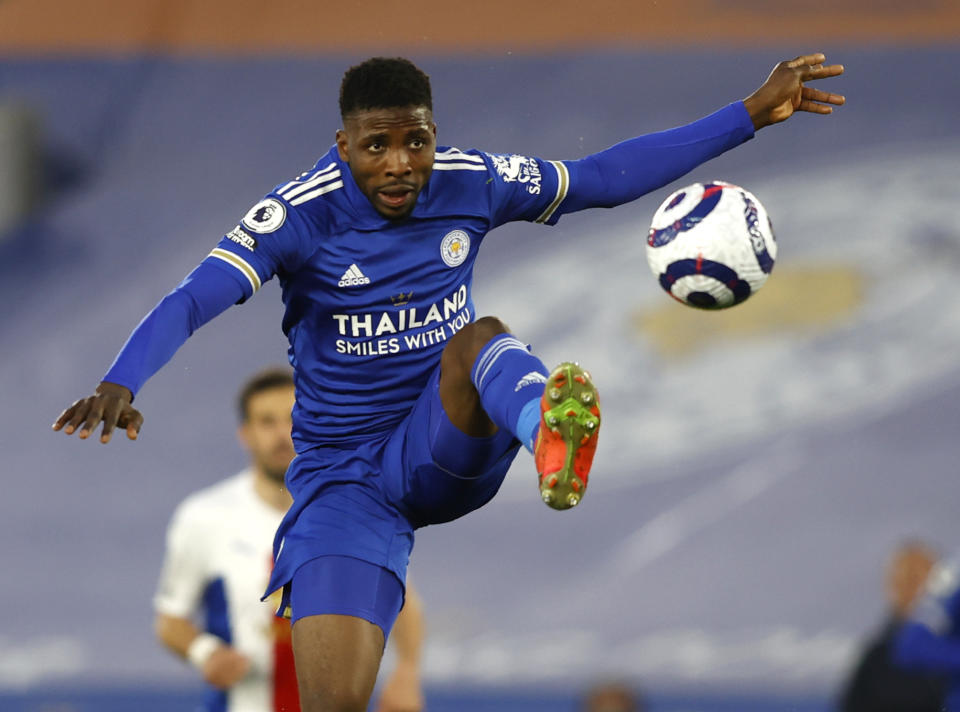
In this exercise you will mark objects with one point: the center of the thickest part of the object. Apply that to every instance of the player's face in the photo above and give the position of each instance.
(266, 431)
(390, 153)
(906, 576)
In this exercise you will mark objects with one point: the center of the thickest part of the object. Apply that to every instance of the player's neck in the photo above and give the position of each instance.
(270, 491)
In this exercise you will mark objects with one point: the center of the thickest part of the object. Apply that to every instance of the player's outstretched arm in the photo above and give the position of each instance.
(205, 293)
(784, 92)
(110, 405)
(634, 167)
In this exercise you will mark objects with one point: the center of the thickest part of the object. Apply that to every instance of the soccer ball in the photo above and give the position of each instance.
(711, 245)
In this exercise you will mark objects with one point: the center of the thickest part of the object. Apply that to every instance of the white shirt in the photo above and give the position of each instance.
(217, 563)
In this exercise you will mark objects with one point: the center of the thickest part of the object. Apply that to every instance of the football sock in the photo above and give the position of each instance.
(510, 381)
(529, 421)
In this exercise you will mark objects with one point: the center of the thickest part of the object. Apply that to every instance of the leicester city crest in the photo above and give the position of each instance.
(455, 248)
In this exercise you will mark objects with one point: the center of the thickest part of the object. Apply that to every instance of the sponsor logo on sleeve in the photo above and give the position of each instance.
(455, 248)
(519, 169)
(243, 238)
(265, 216)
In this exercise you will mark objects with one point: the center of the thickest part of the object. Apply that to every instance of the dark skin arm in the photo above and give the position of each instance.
(109, 404)
(784, 92)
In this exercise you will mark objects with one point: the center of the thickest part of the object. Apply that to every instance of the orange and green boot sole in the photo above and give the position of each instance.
(567, 439)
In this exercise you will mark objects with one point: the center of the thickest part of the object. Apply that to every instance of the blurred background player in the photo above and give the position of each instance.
(218, 560)
(878, 682)
(929, 641)
(612, 697)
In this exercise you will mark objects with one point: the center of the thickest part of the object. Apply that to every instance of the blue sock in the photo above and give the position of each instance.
(529, 422)
(510, 381)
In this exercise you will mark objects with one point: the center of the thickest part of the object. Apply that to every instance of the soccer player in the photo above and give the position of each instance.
(218, 560)
(409, 408)
(612, 697)
(878, 683)
(930, 640)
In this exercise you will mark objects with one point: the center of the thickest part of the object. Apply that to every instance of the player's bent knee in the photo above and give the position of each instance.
(463, 348)
(486, 327)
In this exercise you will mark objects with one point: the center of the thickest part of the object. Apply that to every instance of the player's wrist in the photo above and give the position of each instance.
(759, 114)
(201, 648)
(115, 389)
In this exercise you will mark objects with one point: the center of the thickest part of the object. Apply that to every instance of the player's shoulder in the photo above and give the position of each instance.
(461, 163)
(460, 182)
(316, 187)
(481, 172)
(227, 494)
(307, 197)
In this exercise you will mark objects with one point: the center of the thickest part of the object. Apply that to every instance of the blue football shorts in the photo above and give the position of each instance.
(346, 586)
(365, 501)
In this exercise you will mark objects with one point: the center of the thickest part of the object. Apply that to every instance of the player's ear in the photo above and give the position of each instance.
(242, 435)
(342, 145)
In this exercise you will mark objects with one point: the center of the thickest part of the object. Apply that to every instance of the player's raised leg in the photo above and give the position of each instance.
(489, 380)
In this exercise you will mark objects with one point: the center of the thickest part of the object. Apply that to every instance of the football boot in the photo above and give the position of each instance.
(567, 438)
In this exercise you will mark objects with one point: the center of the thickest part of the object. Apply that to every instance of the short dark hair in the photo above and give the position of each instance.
(384, 83)
(265, 380)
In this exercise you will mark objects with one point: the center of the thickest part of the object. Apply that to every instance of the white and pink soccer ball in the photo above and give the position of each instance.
(711, 245)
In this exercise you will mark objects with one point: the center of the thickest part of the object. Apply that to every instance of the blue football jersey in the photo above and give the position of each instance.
(371, 302)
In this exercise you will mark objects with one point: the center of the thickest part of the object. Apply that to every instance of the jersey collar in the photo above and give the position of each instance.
(370, 219)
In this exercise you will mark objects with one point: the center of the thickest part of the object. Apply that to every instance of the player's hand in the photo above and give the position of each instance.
(225, 667)
(402, 692)
(110, 404)
(784, 92)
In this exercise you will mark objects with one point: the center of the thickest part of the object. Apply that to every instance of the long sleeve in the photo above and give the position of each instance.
(632, 168)
(527, 188)
(205, 293)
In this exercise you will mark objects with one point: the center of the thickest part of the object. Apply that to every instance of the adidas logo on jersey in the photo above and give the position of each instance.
(353, 277)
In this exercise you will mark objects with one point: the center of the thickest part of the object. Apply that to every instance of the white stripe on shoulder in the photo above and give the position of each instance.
(309, 175)
(300, 200)
(455, 154)
(306, 176)
(452, 154)
(239, 263)
(319, 179)
(563, 184)
(459, 167)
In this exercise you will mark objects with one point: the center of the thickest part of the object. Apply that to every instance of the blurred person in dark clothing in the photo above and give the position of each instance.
(612, 697)
(930, 640)
(879, 683)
